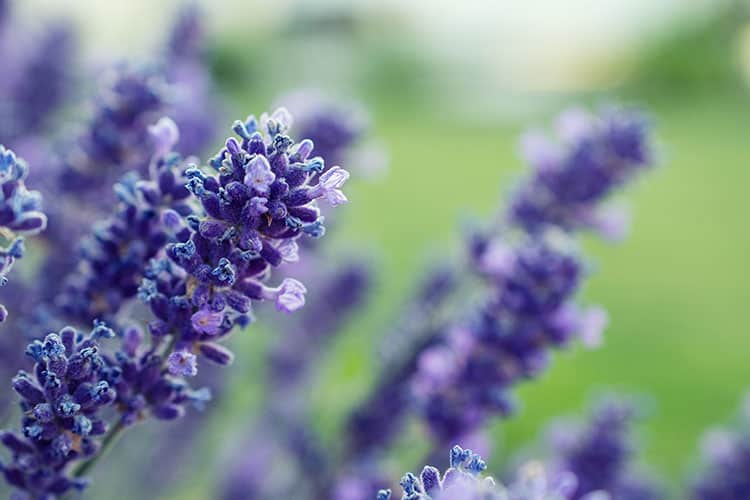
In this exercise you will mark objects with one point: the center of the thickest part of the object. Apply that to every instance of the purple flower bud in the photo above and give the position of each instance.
(289, 296)
(207, 321)
(217, 353)
(168, 412)
(182, 363)
(165, 135)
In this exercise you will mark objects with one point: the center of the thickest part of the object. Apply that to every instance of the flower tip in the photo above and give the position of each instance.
(164, 135)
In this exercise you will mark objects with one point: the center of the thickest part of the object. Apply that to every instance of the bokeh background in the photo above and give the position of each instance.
(448, 87)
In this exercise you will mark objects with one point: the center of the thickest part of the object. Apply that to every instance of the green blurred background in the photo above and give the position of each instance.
(449, 88)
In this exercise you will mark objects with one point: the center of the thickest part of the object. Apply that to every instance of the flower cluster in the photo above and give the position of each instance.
(600, 453)
(530, 309)
(39, 70)
(595, 154)
(20, 212)
(255, 209)
(463, 481)
(115, 140)
(62, 405)
(44, 82)
(114, 258)
(725, 472)
(149, 383)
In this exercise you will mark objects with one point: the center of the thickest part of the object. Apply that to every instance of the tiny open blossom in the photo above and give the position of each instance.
(290, 296)
(182, 363)
(259, 175)
(330, 185)
(207, 321)
(289, 251)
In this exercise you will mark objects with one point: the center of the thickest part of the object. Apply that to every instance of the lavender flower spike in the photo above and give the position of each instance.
(223, 264)
(463, 380)
(115, 257)
(600, 453)
(20, 213)
(61, 404)
(571, 176)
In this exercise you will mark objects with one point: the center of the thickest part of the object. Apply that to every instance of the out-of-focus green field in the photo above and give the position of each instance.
(676, 289)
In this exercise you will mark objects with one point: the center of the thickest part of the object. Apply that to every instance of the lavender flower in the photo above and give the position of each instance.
(20, 213)
(44, 82)
(463, 481)
(115, 257)
(725, 471)
(62, 412)
(572, 176)
(461, 381)
(599, 453)
(37, 82)
(150, 384)
(115, 140)
(224, 264)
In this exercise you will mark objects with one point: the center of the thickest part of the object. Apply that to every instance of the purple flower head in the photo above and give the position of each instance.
(38, 76)
(207, 321)
(182, 363)
(509, 338)
(462, 480)
(116, 256)
(116, 138)
(61, 404)
(600, 452)
(20, 212)
(252, 210)
(570, 177)
(289, 296)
